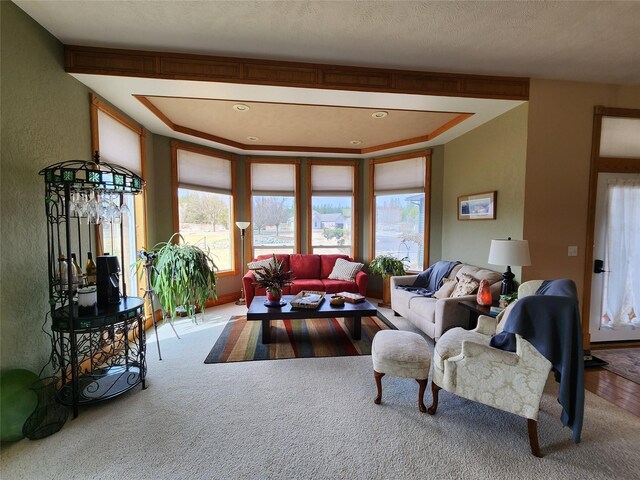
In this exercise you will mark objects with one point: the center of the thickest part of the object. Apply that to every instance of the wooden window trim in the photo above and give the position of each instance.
(600, 165)
(235, 236)
(427, 200)
(249, 204)
(354, 199)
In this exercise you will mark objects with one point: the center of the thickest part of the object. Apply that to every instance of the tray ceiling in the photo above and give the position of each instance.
(252, 125)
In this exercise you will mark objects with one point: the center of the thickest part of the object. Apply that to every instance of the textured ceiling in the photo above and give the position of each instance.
(587, 41)
(582, 41)
(272, 124)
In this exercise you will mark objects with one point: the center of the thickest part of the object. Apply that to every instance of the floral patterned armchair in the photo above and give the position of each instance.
(465, 364)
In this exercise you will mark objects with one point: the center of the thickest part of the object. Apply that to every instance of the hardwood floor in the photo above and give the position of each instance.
(614, 388)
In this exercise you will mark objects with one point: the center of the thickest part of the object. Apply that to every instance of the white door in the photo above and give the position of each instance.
(615, 287)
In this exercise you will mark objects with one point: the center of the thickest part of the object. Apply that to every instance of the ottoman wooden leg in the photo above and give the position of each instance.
(423, 387)
(434, 404)
(378, 376)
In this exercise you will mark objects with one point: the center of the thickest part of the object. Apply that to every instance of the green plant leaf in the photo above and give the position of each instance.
(184, 275)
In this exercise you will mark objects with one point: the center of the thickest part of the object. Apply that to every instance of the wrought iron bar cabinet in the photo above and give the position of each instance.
(99, 355)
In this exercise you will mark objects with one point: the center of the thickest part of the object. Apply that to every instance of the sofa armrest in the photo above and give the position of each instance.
(362, 280)
(402, 280)
(449, 314)
(249, 288)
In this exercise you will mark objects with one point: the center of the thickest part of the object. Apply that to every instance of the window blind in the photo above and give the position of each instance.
(273, 179)
(331, 179)
(204, 172)
(620, 137)
(402, 176)
(118, 143)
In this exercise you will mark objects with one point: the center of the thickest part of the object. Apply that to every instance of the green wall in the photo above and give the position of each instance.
(159, 204)
(45, 119)
(490, 157)
(437, 186)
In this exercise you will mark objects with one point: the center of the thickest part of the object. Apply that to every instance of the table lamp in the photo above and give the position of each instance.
(509, 252)
(243, 228)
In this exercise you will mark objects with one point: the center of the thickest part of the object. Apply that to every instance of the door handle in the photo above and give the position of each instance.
(597, 266)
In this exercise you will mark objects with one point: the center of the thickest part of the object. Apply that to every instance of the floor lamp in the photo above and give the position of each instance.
(243, 228)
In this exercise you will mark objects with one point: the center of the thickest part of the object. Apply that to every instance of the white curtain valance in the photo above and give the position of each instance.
(204, 172)
(118, 143)
(273, 179)
(332, 179)
(402, 176)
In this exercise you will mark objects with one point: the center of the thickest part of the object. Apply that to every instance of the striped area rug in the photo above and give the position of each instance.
(321, 337)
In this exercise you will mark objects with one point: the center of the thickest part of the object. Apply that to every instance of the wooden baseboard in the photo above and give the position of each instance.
(619, 344)
(222, 299)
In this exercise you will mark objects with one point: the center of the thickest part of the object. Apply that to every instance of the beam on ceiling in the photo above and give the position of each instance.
(177, 66)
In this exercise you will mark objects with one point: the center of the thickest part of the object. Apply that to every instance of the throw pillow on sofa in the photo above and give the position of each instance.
(259, 264)
(447, 288)
(345, 270)
(466, 286)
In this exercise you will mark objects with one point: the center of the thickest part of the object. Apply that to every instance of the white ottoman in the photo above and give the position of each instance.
(403, 354)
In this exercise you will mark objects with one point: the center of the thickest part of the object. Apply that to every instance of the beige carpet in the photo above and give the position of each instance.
(311, 418)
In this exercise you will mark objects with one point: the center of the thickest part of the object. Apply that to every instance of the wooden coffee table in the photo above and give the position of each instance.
(352, 313)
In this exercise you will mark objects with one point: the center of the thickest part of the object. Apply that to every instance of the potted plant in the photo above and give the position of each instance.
(273, 278)
(387, 266)
(184, 276)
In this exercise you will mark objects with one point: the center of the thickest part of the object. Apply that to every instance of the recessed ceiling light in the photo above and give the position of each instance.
(241, 107)
(356, 142)
(253, 139)
(380, 114)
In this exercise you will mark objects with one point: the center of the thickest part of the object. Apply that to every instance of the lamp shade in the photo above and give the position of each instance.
(243, 225)
(509, 252)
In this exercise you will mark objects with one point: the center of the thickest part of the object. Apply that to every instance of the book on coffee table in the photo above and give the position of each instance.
(351, 297)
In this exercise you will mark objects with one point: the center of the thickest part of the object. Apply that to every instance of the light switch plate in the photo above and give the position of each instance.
(572, 251)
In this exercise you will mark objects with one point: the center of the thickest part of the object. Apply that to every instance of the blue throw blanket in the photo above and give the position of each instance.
(429, 281)
(550, 321)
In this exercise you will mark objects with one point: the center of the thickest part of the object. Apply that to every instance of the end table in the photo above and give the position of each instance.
(475, 310)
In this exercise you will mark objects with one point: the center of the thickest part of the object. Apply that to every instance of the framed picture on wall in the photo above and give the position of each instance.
(477, 206)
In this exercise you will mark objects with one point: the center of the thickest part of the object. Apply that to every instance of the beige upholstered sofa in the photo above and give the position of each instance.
(434, 316)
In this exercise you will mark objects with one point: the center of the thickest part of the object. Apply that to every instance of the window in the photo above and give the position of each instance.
(119, 140)
(274, 200)
(203, 182)
(332, 212)
(401, 208)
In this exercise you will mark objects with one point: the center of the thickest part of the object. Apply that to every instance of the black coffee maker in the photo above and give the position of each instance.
(108, 280)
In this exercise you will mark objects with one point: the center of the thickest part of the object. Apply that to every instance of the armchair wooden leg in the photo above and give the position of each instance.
(378, 377)
(423, 387)
(434, 403)
(533, 437)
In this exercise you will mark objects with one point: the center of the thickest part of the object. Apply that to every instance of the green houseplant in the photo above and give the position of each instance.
(184, 275)
(273, 278)
(387, 266)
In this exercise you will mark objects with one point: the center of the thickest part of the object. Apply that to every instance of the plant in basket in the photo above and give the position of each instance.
(387, 266)
(273, 278)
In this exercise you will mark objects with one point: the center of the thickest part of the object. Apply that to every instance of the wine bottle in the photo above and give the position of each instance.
(90, 269)
(64, 273)
(77, 271)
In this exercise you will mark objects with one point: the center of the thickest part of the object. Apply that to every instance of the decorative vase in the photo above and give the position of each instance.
(274, 297)
(484, 294)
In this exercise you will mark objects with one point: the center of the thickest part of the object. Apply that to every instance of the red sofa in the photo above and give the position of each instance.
(310, 273)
